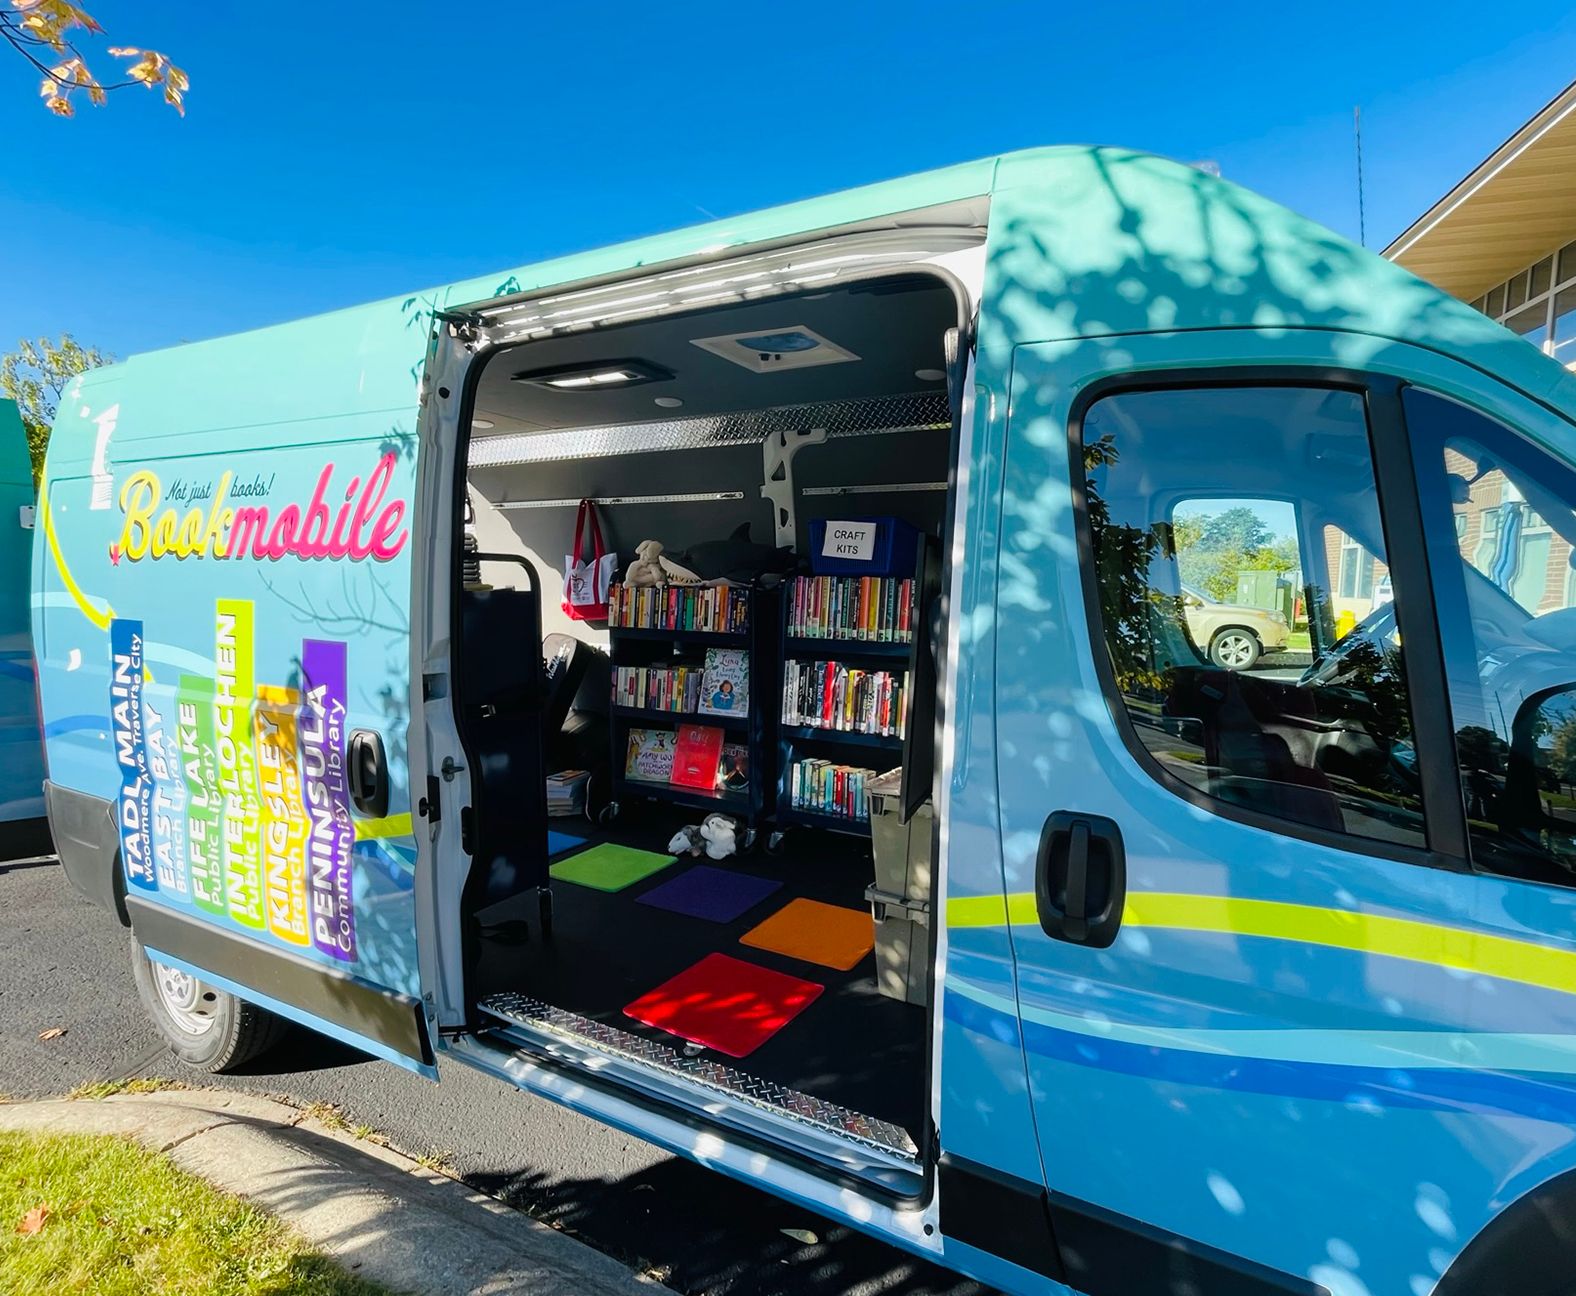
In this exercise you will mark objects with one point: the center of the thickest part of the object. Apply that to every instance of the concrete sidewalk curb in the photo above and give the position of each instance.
(377, 1213)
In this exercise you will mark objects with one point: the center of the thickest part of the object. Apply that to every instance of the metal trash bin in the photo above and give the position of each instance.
(902, 850)
(900, 899)
(902, 946)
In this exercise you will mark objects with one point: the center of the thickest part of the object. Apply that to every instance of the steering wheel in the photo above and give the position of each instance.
(1373, 629)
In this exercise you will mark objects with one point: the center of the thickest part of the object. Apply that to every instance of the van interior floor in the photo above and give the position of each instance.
(611, 949)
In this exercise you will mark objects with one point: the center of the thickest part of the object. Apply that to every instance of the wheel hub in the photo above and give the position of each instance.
(188, 1001)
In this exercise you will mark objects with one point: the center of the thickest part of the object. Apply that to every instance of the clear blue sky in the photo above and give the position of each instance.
(379, 148)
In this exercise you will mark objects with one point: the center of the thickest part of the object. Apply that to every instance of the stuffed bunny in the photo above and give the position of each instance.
(721, 836)
(647, 567)
(687, 841)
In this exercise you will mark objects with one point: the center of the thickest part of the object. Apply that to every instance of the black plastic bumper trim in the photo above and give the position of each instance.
(393, 1020)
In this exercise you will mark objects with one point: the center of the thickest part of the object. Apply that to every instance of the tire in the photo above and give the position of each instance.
(1235, 649)
(205, 1027)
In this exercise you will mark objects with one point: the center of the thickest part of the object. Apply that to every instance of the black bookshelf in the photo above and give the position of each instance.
(875, 752)
(645, 646)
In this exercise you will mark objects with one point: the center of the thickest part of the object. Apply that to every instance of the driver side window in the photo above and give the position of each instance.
(1501, 521)
(1239, 564)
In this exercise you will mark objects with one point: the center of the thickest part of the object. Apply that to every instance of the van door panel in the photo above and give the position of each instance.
(218, 625)
(1279, 1057)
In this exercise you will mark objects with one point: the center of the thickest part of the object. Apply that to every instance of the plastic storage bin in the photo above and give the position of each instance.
(890, 552)
(902, 850)
(902, 946)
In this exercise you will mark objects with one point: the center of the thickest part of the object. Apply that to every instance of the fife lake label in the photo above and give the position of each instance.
(852, 540)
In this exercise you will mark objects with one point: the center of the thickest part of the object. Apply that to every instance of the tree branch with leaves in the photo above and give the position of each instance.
(46, 32)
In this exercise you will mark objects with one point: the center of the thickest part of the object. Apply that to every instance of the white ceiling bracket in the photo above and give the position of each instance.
(778, 449)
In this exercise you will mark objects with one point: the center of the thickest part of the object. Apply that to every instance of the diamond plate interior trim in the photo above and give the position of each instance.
(916, 412)
(718, 1078)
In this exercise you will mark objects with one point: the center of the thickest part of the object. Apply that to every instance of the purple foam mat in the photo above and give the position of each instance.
(714, 894)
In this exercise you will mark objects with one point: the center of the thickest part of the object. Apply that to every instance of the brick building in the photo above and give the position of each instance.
(1504, 239)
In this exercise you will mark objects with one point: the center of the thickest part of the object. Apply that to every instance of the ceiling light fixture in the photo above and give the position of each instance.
(601, 375)
(669, 402)
(482, 423)
(931, 375)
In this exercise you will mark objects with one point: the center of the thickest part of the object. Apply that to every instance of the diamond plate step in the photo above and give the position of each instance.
(858, 1143)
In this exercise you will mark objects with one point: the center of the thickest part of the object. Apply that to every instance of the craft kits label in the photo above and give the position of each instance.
(855, 541)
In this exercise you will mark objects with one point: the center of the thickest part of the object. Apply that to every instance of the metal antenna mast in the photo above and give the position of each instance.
(1357, 128)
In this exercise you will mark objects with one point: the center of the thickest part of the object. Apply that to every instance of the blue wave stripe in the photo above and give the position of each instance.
(1427, 1089)
(69, 724)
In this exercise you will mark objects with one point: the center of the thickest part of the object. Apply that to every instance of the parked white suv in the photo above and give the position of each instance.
(1234, 635)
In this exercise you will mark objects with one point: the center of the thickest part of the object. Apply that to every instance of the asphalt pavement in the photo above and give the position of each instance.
(64, 963)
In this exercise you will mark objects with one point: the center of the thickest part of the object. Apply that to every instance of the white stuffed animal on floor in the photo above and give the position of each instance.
(721, 835)
(647, 567)
(687, 841)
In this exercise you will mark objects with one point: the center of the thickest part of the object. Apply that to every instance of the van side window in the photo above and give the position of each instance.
(1245, 603)
(1501, 522)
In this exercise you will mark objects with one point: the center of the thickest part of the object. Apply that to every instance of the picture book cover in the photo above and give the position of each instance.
(650, 755)
(696, 757)
(733, 769)
(725, 684)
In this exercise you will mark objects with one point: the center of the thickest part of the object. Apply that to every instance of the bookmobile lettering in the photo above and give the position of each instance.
(234, 794)
(238, 518)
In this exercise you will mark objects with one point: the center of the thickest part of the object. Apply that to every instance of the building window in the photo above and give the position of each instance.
(1357, 570)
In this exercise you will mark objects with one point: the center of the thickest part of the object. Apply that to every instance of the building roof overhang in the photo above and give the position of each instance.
(1515, 207)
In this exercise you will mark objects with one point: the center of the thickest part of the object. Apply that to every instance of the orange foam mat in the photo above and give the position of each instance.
(825, 934)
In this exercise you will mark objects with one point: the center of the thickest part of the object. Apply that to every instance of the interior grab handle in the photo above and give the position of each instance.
(367, 773)
(1080, 879)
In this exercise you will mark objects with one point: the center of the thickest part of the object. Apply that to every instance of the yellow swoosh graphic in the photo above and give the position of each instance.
(100, 619)
(393, 826)
(1502, 957)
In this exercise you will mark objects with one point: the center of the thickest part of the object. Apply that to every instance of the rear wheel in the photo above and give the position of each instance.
(1235, 649)
(204, 1026)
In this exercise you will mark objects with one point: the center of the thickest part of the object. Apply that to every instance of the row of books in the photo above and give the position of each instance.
(720, 687)
(713, 609)
(830, 695)
(832, 789)
(693, 756)
(658, 688)
(873, 609)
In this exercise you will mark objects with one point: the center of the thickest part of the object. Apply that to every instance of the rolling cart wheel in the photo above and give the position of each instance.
(608, 815)
(774, 843)
(747, 843)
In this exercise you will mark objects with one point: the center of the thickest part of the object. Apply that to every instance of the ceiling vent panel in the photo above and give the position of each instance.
(768, 350)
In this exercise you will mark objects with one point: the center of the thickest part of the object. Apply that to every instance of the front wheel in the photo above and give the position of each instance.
(205, 1027)
(1234, 649)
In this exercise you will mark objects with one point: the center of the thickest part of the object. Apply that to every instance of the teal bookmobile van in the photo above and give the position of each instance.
(1203, 581)
(23, 828)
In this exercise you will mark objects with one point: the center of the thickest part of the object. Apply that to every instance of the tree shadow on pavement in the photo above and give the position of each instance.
(689, 1227)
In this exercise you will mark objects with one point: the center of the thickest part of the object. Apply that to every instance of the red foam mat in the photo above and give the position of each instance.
(725, 1003)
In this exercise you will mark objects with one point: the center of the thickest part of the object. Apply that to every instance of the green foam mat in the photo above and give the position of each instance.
(609, 867)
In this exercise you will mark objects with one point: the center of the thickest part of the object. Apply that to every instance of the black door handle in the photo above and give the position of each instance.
(367, 773)
(1080, 879)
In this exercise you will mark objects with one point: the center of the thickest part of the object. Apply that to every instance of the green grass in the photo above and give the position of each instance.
(97, 1089)
(1299, 641)
(122, 1221)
